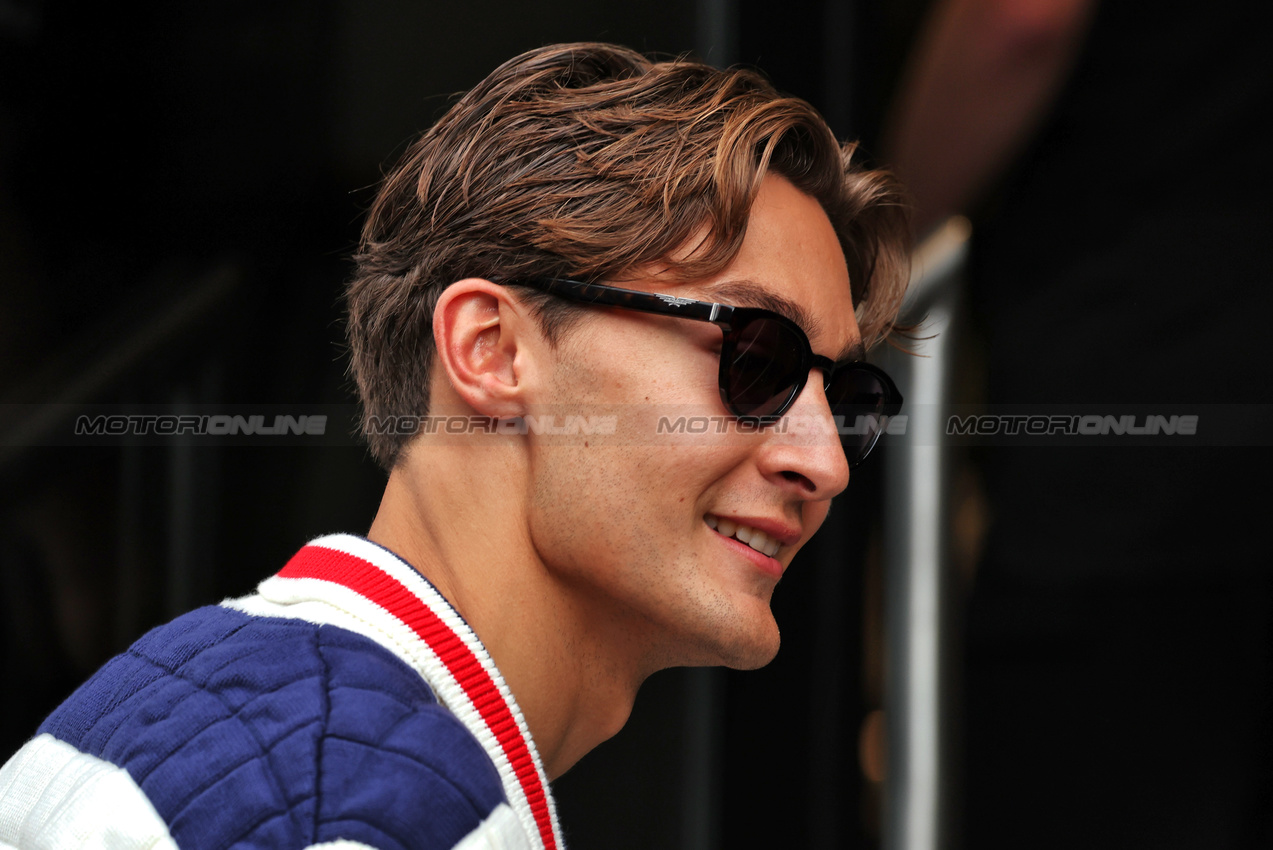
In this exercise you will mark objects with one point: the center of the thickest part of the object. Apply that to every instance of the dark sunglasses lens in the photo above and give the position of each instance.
(857, 397)
(764, 365)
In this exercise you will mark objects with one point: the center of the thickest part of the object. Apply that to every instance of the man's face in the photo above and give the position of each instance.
(633, 520)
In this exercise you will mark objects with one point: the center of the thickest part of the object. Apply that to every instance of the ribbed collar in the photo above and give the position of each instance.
(348, 581)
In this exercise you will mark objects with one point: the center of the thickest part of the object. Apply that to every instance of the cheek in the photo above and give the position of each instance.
(586, 507)
(606, 508)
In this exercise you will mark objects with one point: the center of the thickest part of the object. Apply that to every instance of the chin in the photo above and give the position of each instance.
(748, 650)
(753, 659)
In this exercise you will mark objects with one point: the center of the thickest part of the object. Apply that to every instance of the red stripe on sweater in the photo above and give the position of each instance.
(368, 580)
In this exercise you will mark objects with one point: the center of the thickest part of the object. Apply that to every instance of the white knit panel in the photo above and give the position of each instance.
(52, 796)
(326, 603)
(500, 831)
(449, 691)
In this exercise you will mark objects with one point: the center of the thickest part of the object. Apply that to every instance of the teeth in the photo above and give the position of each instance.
(753, 537)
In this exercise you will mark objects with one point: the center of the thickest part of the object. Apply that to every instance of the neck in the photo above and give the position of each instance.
(455, 511)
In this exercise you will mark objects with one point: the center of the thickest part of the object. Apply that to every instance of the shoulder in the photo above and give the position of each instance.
(281, 732)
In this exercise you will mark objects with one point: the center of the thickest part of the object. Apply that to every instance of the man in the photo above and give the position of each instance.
(586, 234)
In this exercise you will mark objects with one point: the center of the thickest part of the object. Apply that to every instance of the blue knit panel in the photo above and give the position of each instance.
(280, 733)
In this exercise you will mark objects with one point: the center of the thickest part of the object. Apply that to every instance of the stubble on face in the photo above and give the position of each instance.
(641, 572)
(620, 521)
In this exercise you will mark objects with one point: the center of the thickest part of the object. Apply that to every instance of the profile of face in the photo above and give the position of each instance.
(650, 531)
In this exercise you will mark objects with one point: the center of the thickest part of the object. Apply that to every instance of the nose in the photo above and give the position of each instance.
(804, 451)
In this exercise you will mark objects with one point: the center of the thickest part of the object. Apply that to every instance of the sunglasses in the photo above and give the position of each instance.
(764, 362)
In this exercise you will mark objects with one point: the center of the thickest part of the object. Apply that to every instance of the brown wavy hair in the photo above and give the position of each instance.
(587, 161)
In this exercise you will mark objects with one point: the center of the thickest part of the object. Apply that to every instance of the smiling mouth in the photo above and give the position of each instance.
(753, 537)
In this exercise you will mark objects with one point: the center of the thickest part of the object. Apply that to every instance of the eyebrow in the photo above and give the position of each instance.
(746, 293)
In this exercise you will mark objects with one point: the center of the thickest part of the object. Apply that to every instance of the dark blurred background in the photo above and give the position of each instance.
(1116, 684)
(181, 185)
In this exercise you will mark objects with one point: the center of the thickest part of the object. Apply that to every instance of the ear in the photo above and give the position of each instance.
(479, 331)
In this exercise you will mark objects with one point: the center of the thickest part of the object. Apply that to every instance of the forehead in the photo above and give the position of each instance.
(791, 262)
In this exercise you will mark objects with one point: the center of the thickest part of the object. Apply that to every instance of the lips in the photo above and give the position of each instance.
(753, 537)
